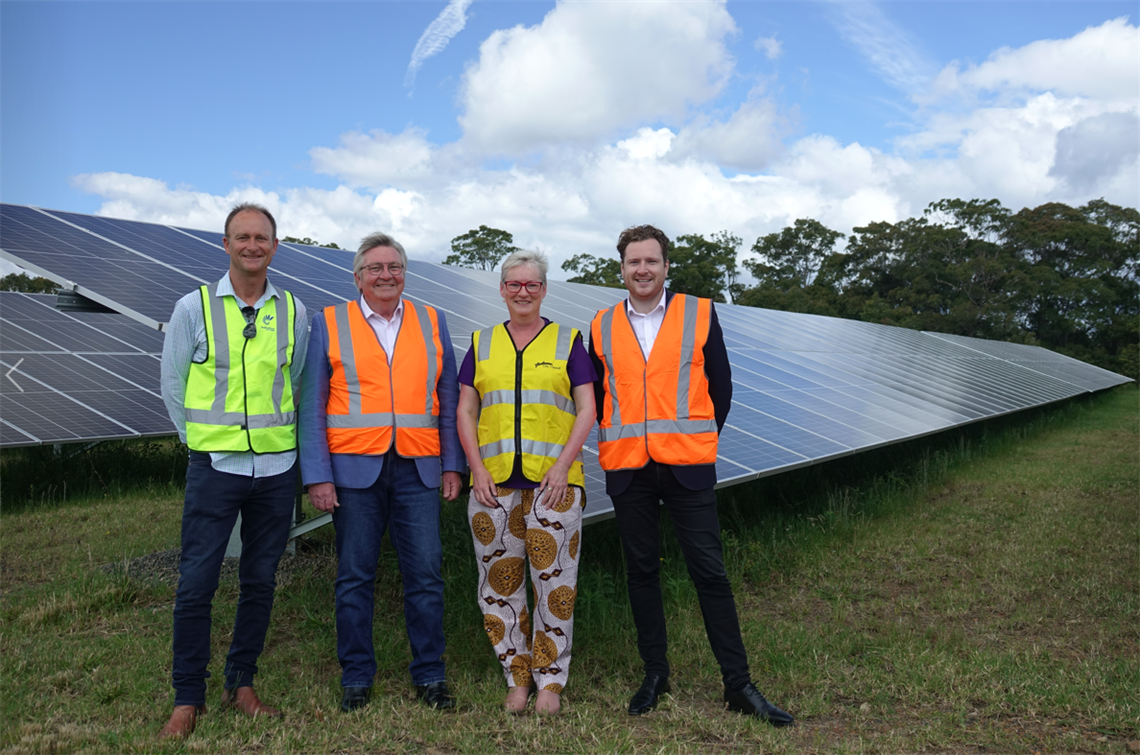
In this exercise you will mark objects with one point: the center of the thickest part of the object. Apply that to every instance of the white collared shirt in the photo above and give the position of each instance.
(385, 330)
(645, 326)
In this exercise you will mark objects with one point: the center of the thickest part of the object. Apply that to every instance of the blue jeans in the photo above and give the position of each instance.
(213, 501)
(399, 502)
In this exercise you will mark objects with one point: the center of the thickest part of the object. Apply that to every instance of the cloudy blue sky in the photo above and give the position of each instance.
(564, 122)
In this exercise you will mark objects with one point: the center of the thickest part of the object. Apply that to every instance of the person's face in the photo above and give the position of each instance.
(644, 270)
(381, 288)
(523, 303)
(250, 243)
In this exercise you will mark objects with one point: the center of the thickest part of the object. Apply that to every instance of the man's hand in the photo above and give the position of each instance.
(323, 496)
(452, 484)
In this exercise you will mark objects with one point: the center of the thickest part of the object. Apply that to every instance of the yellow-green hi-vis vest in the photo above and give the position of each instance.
(527, 407)
(241, 397)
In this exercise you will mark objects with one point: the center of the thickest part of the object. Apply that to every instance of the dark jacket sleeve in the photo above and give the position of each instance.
(719, 372)
(599, 386)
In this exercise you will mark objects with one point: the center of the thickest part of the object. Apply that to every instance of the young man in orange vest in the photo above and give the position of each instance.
(663, 397)
(378, 444)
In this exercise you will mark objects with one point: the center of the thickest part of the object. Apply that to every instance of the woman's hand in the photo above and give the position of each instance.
(467, 422)
(483, 486)
(553, 485)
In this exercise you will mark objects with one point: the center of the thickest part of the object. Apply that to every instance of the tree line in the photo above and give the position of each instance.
(1065, 278)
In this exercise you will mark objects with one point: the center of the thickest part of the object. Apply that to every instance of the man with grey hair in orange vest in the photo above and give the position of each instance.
(663, 397)
(378, 444)
(231, 365)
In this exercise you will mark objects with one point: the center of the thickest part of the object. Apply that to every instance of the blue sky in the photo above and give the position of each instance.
(564, 122)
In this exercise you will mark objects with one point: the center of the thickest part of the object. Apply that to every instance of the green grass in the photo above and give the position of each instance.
(973, 591)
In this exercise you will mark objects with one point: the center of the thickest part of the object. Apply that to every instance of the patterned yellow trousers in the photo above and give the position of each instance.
(551, 539)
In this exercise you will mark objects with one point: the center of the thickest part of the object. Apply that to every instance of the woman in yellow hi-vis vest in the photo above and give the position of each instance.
(526, 405)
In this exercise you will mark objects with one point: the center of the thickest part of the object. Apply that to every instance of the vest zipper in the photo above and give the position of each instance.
(518, 404)
(245, 389)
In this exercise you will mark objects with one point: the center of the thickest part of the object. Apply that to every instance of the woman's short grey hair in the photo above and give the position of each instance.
(523, 257)
(373, 240)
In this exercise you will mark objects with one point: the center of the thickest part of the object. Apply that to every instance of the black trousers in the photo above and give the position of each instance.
(697, 528)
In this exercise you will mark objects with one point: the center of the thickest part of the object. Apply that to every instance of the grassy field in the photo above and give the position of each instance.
(973, 592)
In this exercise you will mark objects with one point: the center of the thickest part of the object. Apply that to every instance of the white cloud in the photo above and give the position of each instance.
(748, 140)
(446, 25)
(1099, 62)
(888, 47)
(590, 69)
(138, 198)
(770, 46)
(377, 159)
(648, 144)
(1095, 150)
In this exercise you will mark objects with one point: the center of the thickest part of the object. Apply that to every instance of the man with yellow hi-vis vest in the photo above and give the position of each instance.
(231, 369)
(378, 444)
(663, 396)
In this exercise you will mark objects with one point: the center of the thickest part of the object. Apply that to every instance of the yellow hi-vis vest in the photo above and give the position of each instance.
(241, 397)
(526, 407)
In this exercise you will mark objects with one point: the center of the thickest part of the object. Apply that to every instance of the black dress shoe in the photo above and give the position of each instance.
(748, 700)
(436, 695)
(355, 697)
(645, 699)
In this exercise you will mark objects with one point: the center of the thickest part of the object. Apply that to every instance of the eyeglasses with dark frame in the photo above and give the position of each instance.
(250, 329)
(395, 269)
(532, 287)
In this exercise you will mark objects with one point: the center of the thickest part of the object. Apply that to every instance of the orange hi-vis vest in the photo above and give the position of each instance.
(658, 409)
(362, 408)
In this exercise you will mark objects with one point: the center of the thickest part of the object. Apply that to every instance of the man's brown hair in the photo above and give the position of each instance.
(643, 233)
(250, 207)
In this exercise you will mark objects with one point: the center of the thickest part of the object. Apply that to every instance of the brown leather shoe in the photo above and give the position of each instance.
(245, 700)
(182, 721)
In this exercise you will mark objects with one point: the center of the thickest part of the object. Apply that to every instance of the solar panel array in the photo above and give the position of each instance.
(76, 377)
(806, 388)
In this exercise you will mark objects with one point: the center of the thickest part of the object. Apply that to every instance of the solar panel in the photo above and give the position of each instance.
(76, 377)
(806, 388)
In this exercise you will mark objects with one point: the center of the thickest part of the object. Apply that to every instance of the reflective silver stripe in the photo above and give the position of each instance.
(282, 349)
(347, 357)
(381, 419)
(262, 421)
(619, 432)
(429, 344)
(688, 346)
(484, 345)
(211, 417)
(221, 350)
(681, 426)
(608, 354)
(657, 427)
(225, 419)
(493, 398)
(562, 346)
(533, 396)
(532, 447)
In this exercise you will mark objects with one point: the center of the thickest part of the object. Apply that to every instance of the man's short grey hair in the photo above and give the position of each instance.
(523, 257)
(373, 240)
